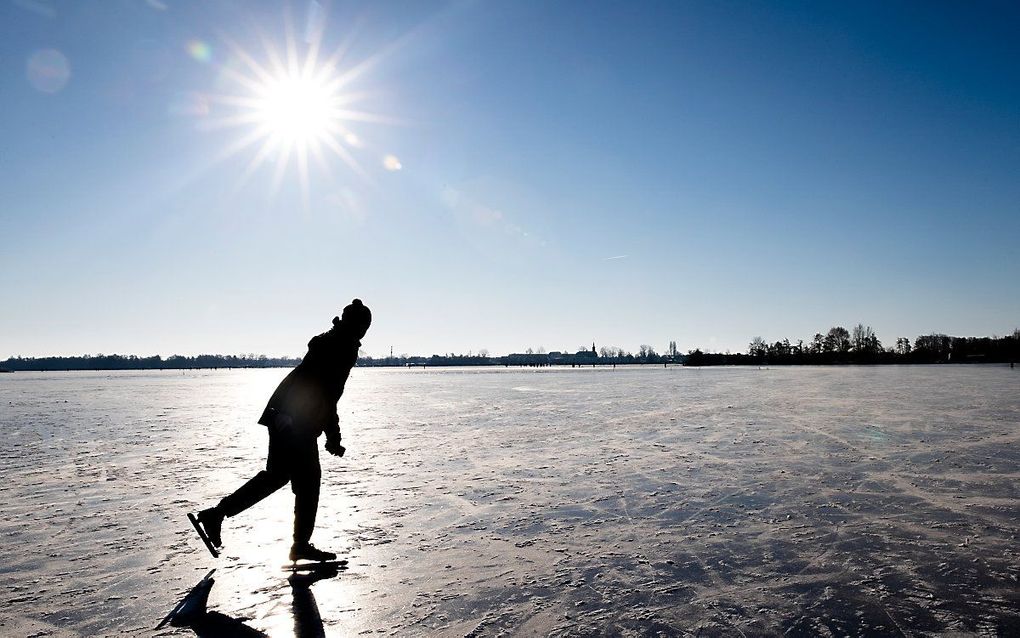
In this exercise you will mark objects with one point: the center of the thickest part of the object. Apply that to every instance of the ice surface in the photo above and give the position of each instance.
(718, 501)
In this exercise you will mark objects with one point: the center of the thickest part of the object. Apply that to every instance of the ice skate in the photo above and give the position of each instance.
(208, 524)
(307, 551)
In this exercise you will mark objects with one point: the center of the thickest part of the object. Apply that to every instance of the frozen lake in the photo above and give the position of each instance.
(716, 501)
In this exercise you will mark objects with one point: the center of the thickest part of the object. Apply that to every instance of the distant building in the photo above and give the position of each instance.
(581, 357)
(586, 357)
(524, 359)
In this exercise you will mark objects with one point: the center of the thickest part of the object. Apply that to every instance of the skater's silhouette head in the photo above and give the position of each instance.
(356, 317)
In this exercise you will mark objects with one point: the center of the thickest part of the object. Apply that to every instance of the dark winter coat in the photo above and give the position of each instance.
(308, 395)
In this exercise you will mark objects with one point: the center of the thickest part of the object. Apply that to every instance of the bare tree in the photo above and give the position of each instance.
(864, 339)
(817, 344)
(857, 338)
(937, 344)
(838, 340)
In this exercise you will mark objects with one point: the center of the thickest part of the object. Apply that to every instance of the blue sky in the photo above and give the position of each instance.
(627, 173)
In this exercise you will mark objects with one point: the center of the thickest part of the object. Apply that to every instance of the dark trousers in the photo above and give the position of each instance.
(293, 457)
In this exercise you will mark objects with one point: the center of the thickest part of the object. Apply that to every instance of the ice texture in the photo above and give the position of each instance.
(475, 502)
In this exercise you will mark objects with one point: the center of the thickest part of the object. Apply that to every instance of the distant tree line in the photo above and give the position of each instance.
(132, 362)
(535, 357)
(450, 359)
(860, 345)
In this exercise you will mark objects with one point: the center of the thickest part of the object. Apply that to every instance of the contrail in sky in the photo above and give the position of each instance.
(616, 257)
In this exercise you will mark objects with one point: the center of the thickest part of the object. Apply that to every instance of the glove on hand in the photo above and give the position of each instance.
(333, 447)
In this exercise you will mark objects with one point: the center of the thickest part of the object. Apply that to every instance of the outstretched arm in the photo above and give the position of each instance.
(344, 357)
(333, 437)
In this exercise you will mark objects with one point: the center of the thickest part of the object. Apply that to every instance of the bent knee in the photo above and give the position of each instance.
(274, 477)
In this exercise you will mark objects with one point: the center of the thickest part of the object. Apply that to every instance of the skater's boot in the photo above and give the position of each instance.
(212, 521)
(306, 551)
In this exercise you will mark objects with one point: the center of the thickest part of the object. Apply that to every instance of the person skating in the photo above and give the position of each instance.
(302, 407)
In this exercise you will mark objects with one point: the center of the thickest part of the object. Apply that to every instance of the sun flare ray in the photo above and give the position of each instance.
(256, 161)
(281, 164)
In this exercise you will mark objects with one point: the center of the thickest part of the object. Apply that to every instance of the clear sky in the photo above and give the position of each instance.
(505, 175)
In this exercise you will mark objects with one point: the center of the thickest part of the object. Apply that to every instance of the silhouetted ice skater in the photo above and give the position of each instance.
(302, 407)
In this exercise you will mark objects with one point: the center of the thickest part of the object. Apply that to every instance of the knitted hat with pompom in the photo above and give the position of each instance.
(357, 314)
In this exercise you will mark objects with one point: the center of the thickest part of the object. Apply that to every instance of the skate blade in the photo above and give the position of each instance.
(202, 535)
(312, 566)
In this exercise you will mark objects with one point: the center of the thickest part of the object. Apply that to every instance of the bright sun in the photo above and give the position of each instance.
(293, 108)
(296, 110)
